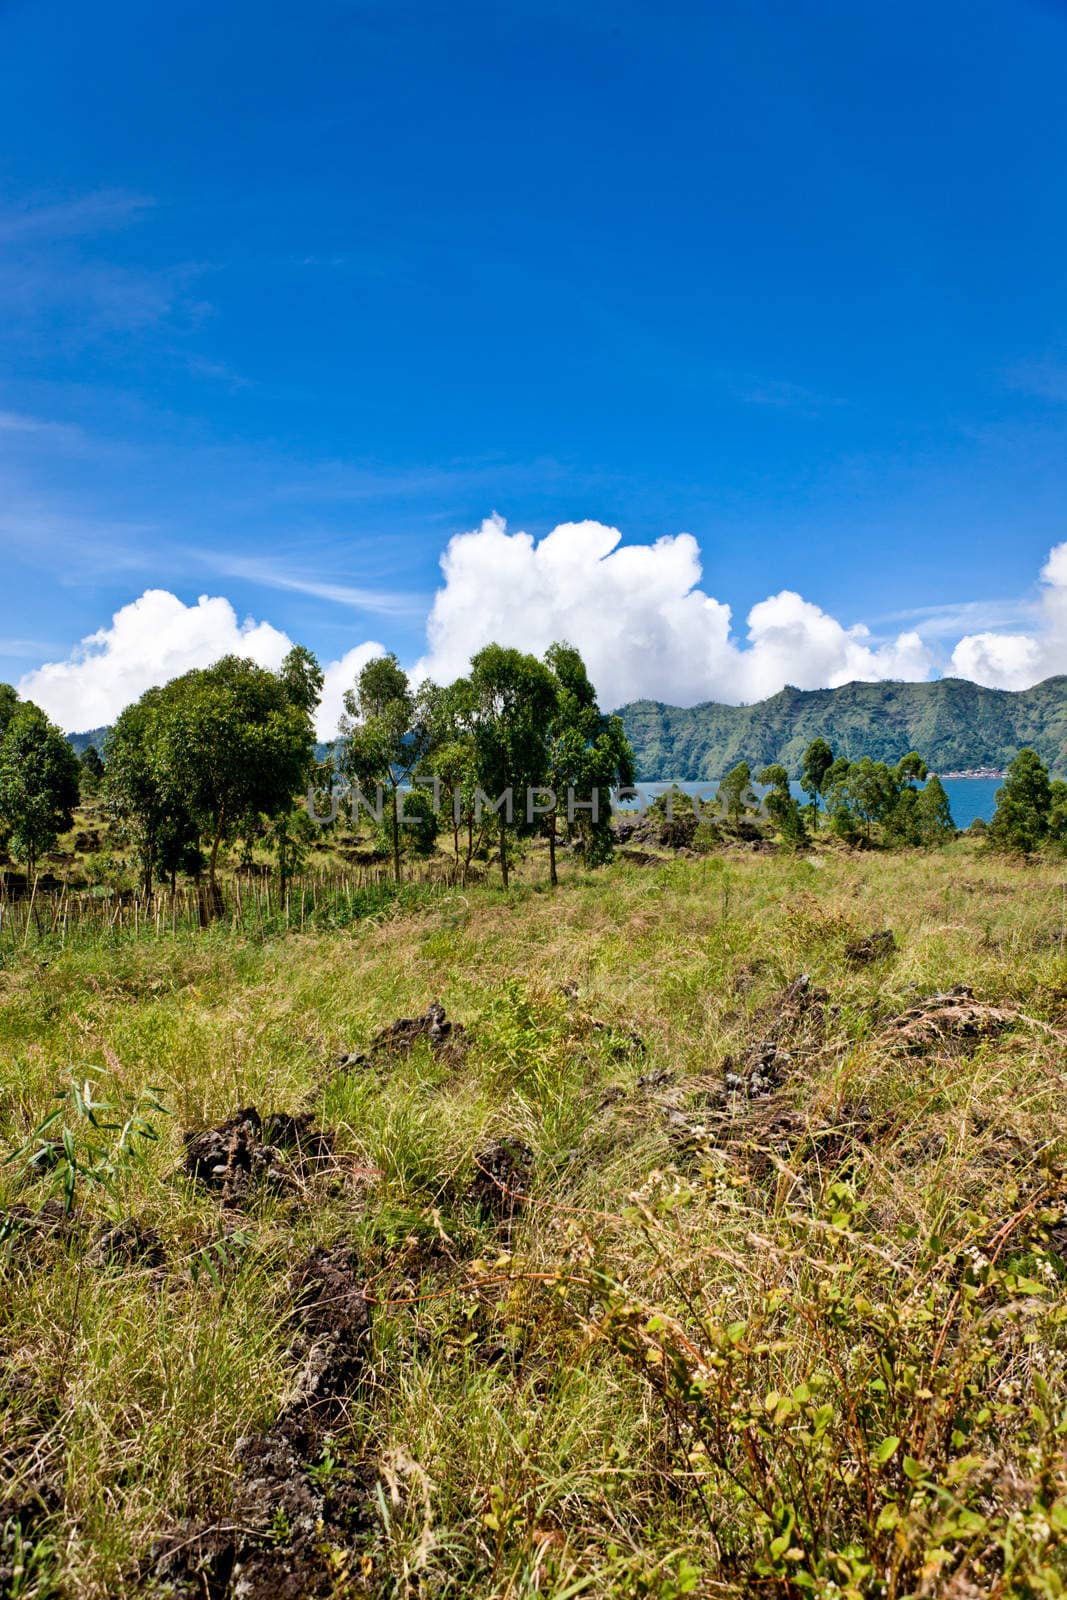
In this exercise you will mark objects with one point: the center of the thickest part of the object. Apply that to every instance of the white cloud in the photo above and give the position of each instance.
(154, 638)
(636, 612)
(157, 637)
(339, 676)
(1016, 660)
(644, 627)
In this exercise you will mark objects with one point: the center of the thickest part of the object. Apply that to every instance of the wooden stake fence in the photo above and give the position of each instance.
(249, 903)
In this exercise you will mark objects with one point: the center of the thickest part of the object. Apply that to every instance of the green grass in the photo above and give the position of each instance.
(676, 1370)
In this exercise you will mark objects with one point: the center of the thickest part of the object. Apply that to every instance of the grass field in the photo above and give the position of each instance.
(669, 1274)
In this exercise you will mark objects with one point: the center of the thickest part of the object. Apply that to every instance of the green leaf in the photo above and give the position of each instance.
(1057, 1515)
(886, 1449)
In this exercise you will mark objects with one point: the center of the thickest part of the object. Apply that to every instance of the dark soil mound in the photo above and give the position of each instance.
(504, 1172)
(400, 1037)
(291, 1522)
(875, 947)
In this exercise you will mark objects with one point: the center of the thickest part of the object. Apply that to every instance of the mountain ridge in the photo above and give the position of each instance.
(955, 725)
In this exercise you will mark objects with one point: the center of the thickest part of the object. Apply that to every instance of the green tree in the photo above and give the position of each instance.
(934, 814)
(1057, 816)
(420, 822)
(587, 755)
(91, 770)
(818, 759)
(157, 824)
(302, 679)
(38, 783)
(228, 742)
(735, 795)
(385, 734)
(8, 702)
(838, 801)
(512, 700)
(290, 835)
(449, 715)
(902, 823)
(781, 805)
(911, 770)
(1024, 805)
(873, 791)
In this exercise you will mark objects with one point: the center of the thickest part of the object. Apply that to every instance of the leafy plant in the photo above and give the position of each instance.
(89, 1138)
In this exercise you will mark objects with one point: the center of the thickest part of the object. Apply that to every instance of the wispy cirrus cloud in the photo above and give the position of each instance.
(962, 616)
(56, 271)
(98, 212)
(777, 393)
(17, 427)
(272, 575)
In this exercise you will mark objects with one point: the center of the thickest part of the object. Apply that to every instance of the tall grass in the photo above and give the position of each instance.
(817, 1348)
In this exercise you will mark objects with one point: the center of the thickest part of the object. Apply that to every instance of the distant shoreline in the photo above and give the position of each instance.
(972, 772)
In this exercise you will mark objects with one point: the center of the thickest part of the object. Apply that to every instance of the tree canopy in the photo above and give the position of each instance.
(215, 748)
(385, 733)
(38, 783)
(1023, 816)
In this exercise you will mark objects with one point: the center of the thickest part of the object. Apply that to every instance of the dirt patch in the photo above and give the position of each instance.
(245, 1153)
(622, 1042)
(953, 1018)
(740, 1106)
(656, 830)
(50, 1220)
(761, 1070)
(788, 1027)
(500, 1187)
(875, 947)
(641, 858)
(445, 1038)
(297, 1513)
(740, 1103)
(128, 1244)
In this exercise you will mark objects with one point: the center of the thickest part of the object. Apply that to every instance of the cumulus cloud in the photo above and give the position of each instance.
(637, 613)
(154, 638)
(1016, 660)
(339, 676)
(639, 618)
(157, 637)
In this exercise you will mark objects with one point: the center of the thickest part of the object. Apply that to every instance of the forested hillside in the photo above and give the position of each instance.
(957, 725)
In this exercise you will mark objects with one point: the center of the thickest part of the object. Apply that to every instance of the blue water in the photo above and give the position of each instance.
(968, 797)
(972, 797)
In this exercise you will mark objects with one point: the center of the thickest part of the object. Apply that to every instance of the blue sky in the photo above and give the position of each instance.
(291, 295)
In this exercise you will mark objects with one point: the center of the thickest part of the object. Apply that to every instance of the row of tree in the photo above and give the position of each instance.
(906, 803)
(229, 750)
(514, 726)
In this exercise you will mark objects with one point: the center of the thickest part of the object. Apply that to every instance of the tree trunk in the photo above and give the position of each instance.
(216, 841)
(504, 851)
(553, 878)
(213, 895)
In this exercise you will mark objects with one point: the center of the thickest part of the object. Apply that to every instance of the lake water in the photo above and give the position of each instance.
(968, 797)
